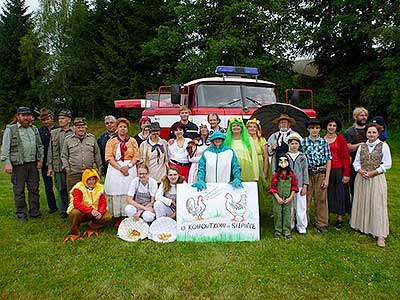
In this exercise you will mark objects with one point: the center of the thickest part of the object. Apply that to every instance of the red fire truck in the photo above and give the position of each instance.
(237, 91)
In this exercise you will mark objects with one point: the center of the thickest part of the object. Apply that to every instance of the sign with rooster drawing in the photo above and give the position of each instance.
(219, 213)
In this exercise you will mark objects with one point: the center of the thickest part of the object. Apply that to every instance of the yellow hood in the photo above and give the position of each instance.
(89, 172)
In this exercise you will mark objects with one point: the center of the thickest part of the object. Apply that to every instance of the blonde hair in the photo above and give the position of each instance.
(359, 110)
(184, 108)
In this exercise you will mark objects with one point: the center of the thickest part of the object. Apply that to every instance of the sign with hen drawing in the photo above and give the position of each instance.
(219, 213)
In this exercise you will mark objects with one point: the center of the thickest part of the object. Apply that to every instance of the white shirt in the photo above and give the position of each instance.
(386, 163)
(179, 154)
(151, 187)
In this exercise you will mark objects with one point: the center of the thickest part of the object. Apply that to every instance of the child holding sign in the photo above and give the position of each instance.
(283, 187)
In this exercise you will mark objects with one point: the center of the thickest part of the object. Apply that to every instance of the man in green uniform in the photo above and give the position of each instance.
(22, 152)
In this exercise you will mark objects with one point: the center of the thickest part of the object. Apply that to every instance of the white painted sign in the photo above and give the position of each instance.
(219, 213)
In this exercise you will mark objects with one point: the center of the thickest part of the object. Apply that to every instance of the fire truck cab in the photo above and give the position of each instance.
(237, 91)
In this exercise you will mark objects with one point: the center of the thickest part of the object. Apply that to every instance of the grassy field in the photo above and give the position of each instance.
(338, 265)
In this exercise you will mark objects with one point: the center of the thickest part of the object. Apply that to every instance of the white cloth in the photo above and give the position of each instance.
(386, 157)
(162, 210)
(299, 212)
(116, 183)
(147, 216)
(218, 166)
(179, 154)
(195, 163)
(137, 186)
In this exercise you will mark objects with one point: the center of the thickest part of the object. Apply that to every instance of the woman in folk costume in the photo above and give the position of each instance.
(242, 144)
(154, 153)
(254, 129)
(122, 154)
(87, 204)
(369, 213)
(196, 148)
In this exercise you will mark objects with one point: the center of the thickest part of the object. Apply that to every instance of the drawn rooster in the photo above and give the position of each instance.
(196, 208)
(237, 208)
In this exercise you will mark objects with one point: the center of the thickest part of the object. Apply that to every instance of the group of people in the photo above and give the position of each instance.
(142, 172)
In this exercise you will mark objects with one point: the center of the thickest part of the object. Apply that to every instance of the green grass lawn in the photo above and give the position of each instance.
(36, 264)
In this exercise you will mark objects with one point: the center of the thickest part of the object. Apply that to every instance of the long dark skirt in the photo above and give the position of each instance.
(338, 193)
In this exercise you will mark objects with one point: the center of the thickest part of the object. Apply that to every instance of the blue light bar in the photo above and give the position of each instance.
(237, 70)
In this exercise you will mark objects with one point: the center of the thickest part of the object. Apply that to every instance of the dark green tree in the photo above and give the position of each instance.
(15, 83)
(355, 45)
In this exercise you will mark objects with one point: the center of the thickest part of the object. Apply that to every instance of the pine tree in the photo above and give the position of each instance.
(15, 85)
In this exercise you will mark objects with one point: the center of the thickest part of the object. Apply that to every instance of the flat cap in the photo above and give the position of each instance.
(79, 121)
(44, 113)
(24, 110)
(65, 113)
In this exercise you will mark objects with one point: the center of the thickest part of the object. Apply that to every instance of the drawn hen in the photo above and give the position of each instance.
(237, 208)
(196, 207)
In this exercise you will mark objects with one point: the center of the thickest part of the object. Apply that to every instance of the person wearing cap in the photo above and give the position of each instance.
(88, 204)
(218, 164)
(355, 136)
(277, 142)
(338, 190)
(380, 122)
(299, 165)
(319, 159)
(80, 151)
(144, 133)
(47, 118)
(54, 163)
(196, 148)
(122, 154)
(22, 152)
(154, 153)
(190, 130)
(110, 123)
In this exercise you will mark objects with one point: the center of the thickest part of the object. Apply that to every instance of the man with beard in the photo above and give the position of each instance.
(355, 136)
(278, 141)
(22, 152)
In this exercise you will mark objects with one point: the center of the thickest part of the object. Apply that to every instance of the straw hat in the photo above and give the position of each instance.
(284, 117)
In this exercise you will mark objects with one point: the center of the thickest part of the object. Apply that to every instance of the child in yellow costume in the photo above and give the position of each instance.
(87, 204)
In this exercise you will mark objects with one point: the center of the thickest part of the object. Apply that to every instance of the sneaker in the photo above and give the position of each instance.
(339, 225)
(288, 236)
(322, 229)
(277, 235)
(23, 220)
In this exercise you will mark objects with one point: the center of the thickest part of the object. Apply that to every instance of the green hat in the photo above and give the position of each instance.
(65, 113)
(80, 121)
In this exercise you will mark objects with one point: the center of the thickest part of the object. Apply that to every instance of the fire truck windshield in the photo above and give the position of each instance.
(233, 95)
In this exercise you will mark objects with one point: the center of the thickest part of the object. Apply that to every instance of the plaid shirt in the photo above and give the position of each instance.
(317, 152)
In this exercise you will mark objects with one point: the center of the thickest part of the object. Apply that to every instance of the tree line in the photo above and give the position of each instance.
(85, 54)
